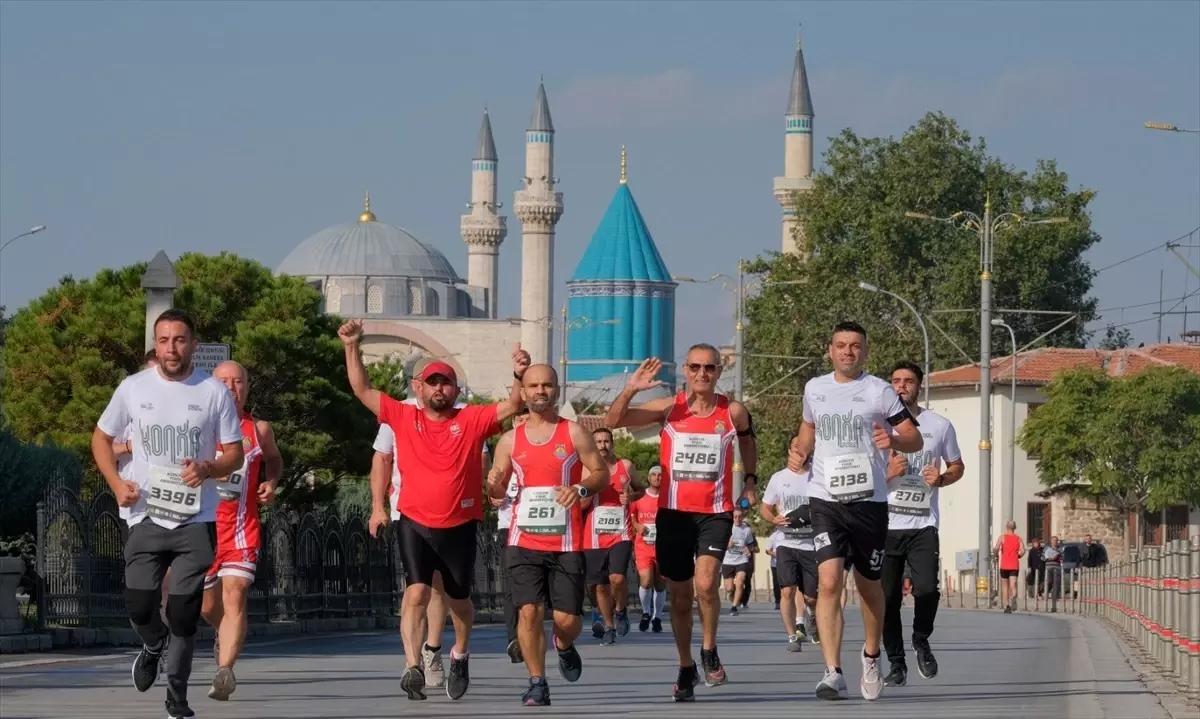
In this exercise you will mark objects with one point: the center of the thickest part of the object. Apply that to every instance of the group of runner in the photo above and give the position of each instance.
(859, 492)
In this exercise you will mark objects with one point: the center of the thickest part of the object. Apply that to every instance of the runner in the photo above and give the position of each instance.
(548, 455)
(238, 532)
(736, 562)
(385, 487)
(785, 505)
(653, 589)
(695, 516)
(441, 503)
(608, 542)
(181, 416)
(913, 483)
(843, 432)
(503, 507)
(1009, 549)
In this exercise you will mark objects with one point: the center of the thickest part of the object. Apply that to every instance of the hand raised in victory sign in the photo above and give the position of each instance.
(351, 332)
(643, 379)
(521, 361)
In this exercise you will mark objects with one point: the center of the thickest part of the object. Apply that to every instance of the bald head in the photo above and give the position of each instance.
(237, 379)
(539, 387)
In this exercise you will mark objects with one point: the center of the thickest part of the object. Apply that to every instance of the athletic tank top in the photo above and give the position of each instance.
(1010, 546)
(607, 522)
(646, 510)
(697, 458)
(237, 512)
(539, 522)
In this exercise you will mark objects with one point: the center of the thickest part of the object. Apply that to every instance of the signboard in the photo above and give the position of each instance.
(209, 355)
(965, 561)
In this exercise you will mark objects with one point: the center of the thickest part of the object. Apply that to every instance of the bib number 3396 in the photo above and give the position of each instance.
(848, 478)
(697, 458)
(540, 513)
(169, 498)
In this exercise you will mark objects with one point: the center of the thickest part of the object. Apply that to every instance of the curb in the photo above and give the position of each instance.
(1173, 701)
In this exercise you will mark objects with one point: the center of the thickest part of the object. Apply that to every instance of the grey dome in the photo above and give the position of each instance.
(367, 248)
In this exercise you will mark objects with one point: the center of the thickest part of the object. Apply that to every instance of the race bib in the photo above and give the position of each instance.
(650, 535)
(169, 498)
(609, 520)
(232, 489)
(848, 477)
(911, 496)
(540, 512)
(697, 458)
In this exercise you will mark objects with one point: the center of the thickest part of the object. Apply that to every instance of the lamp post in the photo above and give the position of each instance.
(31, 231)
(1168, 127)
(1012, 430)
(925, 334)
(566, 325)
(986, 227)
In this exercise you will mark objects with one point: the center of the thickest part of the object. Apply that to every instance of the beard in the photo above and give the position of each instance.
(183, 366)
(541, 404)
(438, 404)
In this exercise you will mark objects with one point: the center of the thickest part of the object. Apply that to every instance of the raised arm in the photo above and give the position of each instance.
(509, 407)
(497, 478)
(351, 336)
(620, 414)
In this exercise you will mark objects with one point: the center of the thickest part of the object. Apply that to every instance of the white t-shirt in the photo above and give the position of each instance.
(125, 461)
(788, 491)
(743, 537)
(170, 422)
(773, 544)
(846, 460)
(913, 504)
(504, 512)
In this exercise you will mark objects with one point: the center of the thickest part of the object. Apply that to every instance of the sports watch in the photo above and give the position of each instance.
(583, 491)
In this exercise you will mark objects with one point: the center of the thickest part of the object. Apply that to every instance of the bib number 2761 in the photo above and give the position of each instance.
(848, 478)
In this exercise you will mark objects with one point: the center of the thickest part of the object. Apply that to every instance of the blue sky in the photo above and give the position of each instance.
(133, 127)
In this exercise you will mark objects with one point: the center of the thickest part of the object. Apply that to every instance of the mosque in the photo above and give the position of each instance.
(620, 301)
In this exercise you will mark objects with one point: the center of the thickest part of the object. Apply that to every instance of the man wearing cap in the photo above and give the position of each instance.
(441, 500)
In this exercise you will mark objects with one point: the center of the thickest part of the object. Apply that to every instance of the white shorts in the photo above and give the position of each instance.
(242, 563)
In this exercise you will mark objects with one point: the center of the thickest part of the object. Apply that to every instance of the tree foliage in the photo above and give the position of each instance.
(1115, 338)
(1130, 441)
(69, 349)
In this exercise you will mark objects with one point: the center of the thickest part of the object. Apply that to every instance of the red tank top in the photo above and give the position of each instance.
(646, 509)
(237, 512)
(1010, 547)
(697, 458)
(608, 521)
(539, 522)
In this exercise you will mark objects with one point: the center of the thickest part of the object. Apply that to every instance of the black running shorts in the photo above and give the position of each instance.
(1006, 573)
(603, 563)
(729, 571)
(797, 568)
(683, 536)
(855, 532)
(451, 551)
(538, 576)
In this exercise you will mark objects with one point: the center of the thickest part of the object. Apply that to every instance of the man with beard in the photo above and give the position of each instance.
(695, 516)
(180, 417)
(653, 589)
(548, 456)
(608, 541)
(441, 499)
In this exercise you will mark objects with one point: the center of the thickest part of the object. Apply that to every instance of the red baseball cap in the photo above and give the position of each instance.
(436, 368)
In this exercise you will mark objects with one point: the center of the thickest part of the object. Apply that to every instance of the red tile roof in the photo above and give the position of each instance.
(1038, 367)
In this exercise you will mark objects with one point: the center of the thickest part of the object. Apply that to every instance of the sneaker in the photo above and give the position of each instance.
(622, 622)
(459, 678)
(223, 684)
(801, 632)
(656, 625)
(794, 643)
(833, 686)
(898, 676)
(872, 683)
(431, 666)
(609, 636)
(570, 664)
(1008, 610)
(514, 652)
(813, 634)
(714, 673)
(597, 626)
(733, 611)
(146, 667)
(538, 693)
(685, 685)
(413, 683)
(926, 663)
(645, 623)
(177, 709)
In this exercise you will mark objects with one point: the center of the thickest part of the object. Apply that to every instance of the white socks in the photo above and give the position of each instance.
(647, 597)
(660, 602)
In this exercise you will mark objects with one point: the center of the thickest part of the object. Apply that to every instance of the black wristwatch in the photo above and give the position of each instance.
(516, 376)
(750, 475)
(583, 491)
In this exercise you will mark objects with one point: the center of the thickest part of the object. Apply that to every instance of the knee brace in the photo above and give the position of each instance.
(183, 613)
(142, 605)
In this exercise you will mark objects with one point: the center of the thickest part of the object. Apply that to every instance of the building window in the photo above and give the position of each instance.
(1037, 520)
(431, 304)
(374, 299)
(1029, 410)
(416, 296)
(1155, 532)
(333, 297)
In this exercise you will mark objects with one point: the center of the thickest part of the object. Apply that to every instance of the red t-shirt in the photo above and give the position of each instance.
(645, 509)
(610, 500)
(1010, 547)
(439, 461)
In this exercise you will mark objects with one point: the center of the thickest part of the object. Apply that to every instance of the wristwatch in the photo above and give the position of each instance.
(583, 491)
(751, 475)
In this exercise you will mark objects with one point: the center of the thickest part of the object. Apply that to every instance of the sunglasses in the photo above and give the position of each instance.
(709, 368)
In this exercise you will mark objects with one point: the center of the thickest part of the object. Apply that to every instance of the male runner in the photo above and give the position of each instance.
(736, 562)
(785, 504)
(608, 541)
(843, 432)
(652, 589)
(1009, 549)
(548, 455)
(441, 500)
(913, 483)
(503, 507)
(180, 417)
(695, 516)
(238, 532)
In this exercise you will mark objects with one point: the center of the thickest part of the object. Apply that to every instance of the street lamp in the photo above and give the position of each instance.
(31, 231)
(566, 326)
(1012, 448)
(1167, 127)
(986, 227)
(872, 288)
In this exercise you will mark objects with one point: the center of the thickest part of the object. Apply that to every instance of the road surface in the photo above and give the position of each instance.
(992, 665)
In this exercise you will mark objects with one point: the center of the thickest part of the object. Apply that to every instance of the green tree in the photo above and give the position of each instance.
(1115, 338)
(644, 455)
(69, 349)
(1129, 441)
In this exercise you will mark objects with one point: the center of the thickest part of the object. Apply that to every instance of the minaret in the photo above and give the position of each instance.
(538, 207)
(798, 151)
(482, 229)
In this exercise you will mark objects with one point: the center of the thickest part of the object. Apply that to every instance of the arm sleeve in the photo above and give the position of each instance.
(115, 420)
(385, 440)
(893, 408)
(229, 423)
(950, 449)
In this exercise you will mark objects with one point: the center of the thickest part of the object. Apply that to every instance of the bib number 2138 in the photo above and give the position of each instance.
(848, 478)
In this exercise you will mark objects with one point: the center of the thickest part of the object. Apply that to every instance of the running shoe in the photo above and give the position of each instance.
(459, 678)
(833, 686)
(685, 685)
(813, 634)
(146, 667)
(570, 664)
(609, 636)
(872, 683)
(801, 632)
(656, 625)
(514, 652)
(597, 625)
(898, 676)
(794, 643)
(645, 623)
(622, 622)
(733, 611)
(714, 673)
(538, 693)
(926, 663)
(223, 684)
(413, 683)
(178, 709)
(431, 666)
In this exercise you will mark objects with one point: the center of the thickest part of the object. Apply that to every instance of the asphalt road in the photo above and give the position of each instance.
(992, 665)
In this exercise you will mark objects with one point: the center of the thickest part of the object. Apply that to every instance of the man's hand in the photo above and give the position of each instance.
(882, 437)
(497, 502)
(897, 465)
(796, 458)
(129, 494)
(266, 492)
(931, 475)
(194, 473)
(521, 361)
(625, 496)
(351, 332)
(568, 496)
(379, 519)
(750, 494)
(781, 520)
(643, 378)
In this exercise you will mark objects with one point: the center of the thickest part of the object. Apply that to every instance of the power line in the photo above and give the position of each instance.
(1183, 299)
